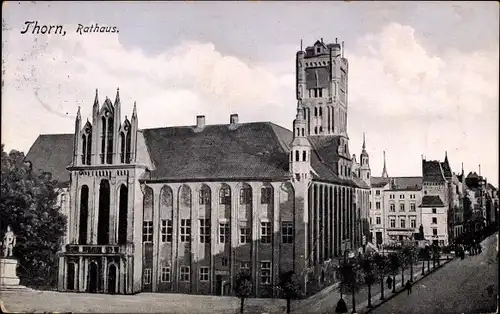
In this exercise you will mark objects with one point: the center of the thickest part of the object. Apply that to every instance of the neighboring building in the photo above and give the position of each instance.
(394, 208)
(184, 209)
(437, 200)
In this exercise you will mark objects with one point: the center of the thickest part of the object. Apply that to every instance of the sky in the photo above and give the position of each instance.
(423, 76)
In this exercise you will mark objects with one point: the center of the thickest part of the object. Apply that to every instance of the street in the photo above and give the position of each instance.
(463, 286)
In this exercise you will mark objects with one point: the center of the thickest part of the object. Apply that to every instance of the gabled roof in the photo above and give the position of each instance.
(52, 153)
(432, 171)
(445, 166)
(378, 182)
(243, 151)
(406, 183)
(431, 201)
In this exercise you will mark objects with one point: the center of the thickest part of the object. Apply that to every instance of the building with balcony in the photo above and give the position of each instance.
(184, 209)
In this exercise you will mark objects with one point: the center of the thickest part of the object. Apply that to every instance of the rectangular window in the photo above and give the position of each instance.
(287, 232)
(265, 232)
(402, 196)
(392, 207)
(224, 262)
(166, 230)
(434, 220)
(203, 273)
(391, 196)
(185, 273)
(165, 274)
(266, 195)
(377, 205)
(402, 207)
(393, 223)
(265, 273)
(204, 230)
(204, 197)
(434, 211)
(403, 223)
(434, 232)
(377, 219)
(246, 196)
(225, 196)
(224, 233)
(370, 205)
(185, 230)
(377, 192)
(413, 207)
(147, 231)
(245, 266)
(413, 223)
(147, 276)
(371, 221)
(245, 235)
(441, 242)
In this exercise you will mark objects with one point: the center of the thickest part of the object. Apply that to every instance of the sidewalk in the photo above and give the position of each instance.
(326, 300)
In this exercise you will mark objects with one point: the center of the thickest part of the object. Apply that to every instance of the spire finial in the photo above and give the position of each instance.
(117, 98)
(134, 111)
(384, 171)
(342, 48)
(364, 143)
(96, 99)
(301, 44)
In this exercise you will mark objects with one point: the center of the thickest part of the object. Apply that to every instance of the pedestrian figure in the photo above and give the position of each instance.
(389, 282)
(408, 287)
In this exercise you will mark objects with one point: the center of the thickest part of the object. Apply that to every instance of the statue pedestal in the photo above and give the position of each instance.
(8, 276)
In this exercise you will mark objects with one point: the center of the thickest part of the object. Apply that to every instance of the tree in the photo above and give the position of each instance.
(411, 255)
(403, 263)
(244, 287)
(28, 203)
(290, 285)
(394, 264)
(436, 254)
(351, 278)
(369, 269)
(382, 265)
(427, 255)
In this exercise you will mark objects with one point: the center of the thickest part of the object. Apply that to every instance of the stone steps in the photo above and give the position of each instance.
(14, 288)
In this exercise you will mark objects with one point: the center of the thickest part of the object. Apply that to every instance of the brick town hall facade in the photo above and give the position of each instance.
(183, 209)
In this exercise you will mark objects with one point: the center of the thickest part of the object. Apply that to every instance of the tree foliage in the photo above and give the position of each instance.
(290, 285)
(244, 286)
(350, 276)
(28, 203)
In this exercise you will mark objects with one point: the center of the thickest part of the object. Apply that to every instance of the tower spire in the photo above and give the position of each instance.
(96, 99)
(78, 115)
(384, 171)
(117, 98)
(134, 111)
(364, 142)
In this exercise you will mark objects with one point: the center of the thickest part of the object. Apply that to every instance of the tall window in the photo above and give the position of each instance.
(403, 223)
(377, 192)
(84, 212)
(109, 137)
(434, 220)
(125, 144)
(166, 230)
(204, 273)
(265, 233)
(434, 211)
(165, 274)
(413, 207)
(266, 195)
(224, 233)
(287, 232)
(413, 223)
(225, 196)
(245, 235)
(377, 205)
(184, 273)
(204, 197)
(265, 273)
(393, 223)
(392, 207)
(402, 207)
(434, 232)
(377, 220)
(246, 195)
(401, 196)
(185, 230)
(147, 231)
(204, 230)
(147, 276)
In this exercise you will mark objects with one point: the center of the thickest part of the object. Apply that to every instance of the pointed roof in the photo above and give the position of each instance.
(431, 201)
(384, 170)
(96, 99)
(117, 98)
(432, 171)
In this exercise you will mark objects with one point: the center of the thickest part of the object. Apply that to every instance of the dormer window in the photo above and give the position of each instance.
(318, 50)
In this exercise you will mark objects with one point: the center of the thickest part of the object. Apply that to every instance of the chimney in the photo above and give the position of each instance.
(233, 118)
(200, 122)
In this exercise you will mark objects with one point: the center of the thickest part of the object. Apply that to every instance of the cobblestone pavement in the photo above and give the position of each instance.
(463, 286)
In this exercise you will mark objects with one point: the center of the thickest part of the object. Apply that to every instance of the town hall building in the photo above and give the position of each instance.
(184, 209)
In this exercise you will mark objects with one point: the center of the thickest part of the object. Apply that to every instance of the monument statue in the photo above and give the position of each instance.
(9, 241)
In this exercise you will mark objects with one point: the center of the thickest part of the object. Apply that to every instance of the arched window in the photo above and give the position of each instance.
(84, 213)
(103, 140)
(123, 215)
(103, 220)
(302, 131)
(297, 155)
(315, 111)
(109, 137)
(304, 156)
(320, 111)
(84, 149)
(122, 147)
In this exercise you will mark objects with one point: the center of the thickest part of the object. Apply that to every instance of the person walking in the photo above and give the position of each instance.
(389, 282)
(408, 287)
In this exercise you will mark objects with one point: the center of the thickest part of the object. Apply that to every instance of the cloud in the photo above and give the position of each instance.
(409, 99)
